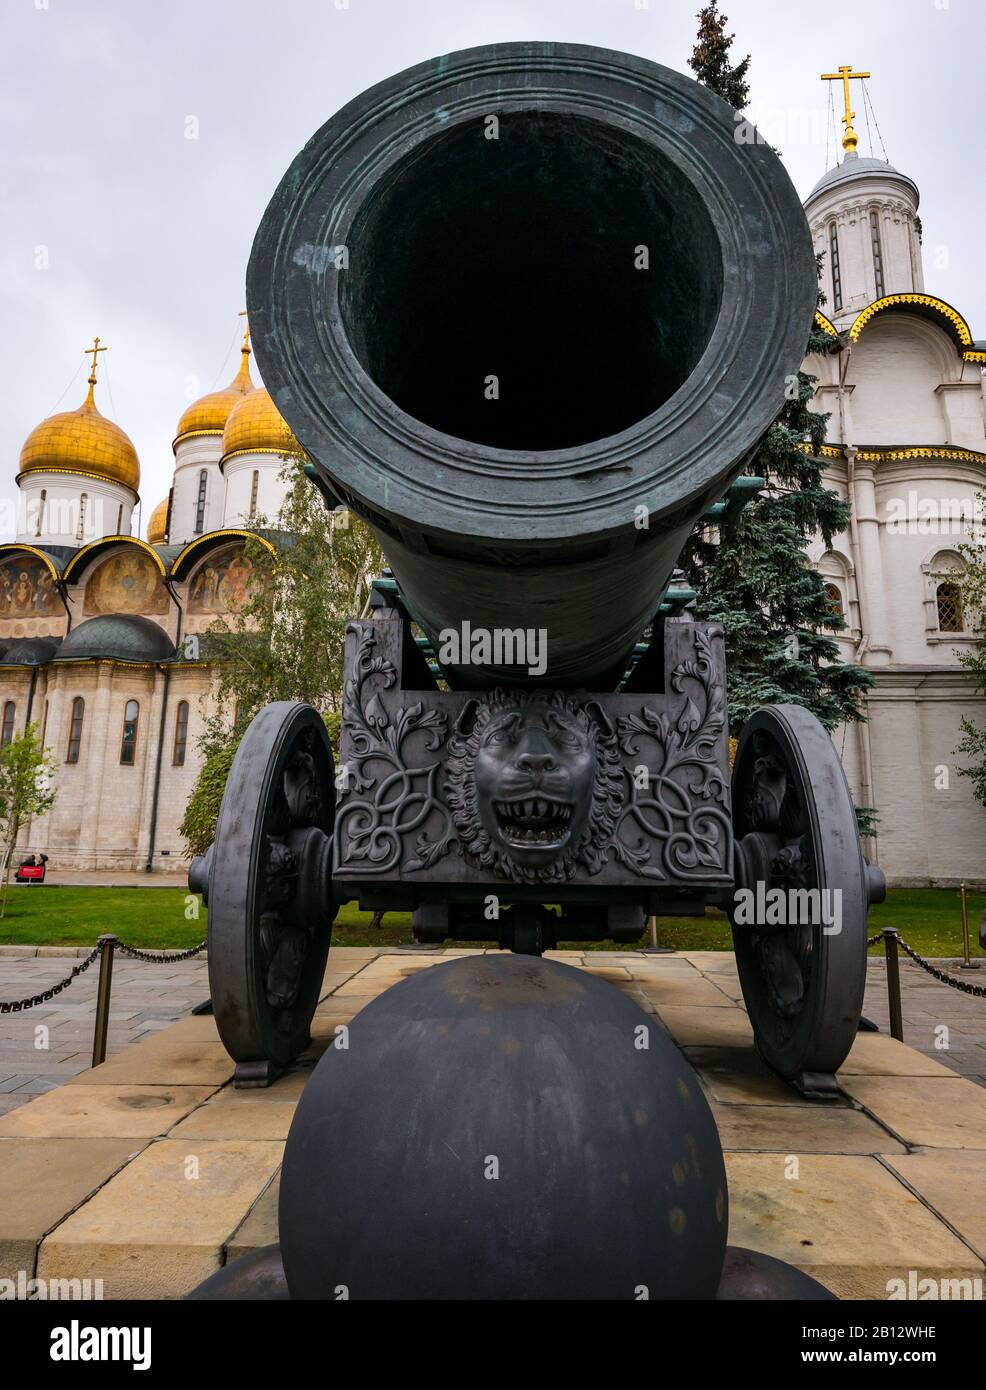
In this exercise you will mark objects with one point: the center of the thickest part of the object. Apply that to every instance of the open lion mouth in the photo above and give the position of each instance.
(534, 821)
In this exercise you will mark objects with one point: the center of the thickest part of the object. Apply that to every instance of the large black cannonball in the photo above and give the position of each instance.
(503, 1127)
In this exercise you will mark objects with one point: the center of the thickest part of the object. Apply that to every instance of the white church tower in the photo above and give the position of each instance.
(904, 389)
(863, 215)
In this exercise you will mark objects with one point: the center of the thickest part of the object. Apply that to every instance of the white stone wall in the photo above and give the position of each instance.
(932, 830)
(192, 456)
(239, 472)
(103, 813)
(108, 509)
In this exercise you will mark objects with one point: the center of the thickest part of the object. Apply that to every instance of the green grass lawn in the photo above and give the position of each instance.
(154, 918)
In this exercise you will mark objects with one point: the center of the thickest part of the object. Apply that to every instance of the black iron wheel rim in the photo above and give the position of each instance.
(817, 823)
(253, 837)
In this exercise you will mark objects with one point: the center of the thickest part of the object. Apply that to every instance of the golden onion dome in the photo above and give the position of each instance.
(157, 526)
(255, 426)
(209, 415)
(82, 441)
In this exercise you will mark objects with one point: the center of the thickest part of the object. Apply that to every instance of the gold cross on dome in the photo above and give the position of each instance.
(850, 139)
(95, 350)
(246, 330)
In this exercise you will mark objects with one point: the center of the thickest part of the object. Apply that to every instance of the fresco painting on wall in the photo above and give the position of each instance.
(221, 584)
(27, 589)
(128, 582)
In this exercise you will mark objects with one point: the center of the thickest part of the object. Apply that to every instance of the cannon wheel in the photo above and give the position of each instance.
(796, 828)
(267, 879)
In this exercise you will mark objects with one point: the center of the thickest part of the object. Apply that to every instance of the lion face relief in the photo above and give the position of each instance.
(535, 784)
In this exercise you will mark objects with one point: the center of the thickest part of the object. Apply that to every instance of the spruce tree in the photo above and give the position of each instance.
(710, 58)
(754, 576)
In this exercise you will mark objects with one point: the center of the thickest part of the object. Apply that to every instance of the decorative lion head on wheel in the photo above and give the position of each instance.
(535, 784)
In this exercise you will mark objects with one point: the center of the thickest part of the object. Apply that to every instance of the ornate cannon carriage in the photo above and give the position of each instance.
(530, 309)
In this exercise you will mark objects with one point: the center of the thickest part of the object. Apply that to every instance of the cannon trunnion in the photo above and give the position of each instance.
(530, 309)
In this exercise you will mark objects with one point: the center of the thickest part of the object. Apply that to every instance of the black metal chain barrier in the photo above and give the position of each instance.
(978, 990)
(103, 950)
(891, 940)
(159, 957)
(14, 1006)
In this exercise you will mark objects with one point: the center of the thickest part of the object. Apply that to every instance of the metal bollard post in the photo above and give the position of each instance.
(893, 986)
(967, 962)
(654, 948)
(107, 943)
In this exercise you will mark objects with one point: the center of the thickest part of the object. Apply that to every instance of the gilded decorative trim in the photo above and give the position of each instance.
(77, 473)
(285, 453)
(191, 434)
(102, 661)
(974, 356)
(826, 325)
(77, 559)
(919, 451)
(211, 536)
(9, 547)
(925, 301)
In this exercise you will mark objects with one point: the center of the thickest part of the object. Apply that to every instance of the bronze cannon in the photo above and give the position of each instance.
(530, 309)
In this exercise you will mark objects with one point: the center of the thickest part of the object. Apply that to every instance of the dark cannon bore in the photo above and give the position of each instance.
(540, 290)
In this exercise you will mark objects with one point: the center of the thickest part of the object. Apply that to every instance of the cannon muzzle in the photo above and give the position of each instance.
(530, 308)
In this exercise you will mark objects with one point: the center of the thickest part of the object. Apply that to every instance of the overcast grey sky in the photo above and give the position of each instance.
(147, 232)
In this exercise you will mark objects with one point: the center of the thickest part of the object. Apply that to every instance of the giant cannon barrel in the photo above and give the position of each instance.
(530, 308)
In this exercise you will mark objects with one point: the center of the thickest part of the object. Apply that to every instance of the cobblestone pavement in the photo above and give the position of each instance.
(148, 997)
(144, 998)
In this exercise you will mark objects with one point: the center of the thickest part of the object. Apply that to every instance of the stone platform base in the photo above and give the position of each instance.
(151, 1171)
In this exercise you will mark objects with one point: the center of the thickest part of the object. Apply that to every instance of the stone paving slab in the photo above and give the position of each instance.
(877, 1054)
(737, 1076)
(159, 1062)
(161, 1225)
(259, 1227)
(941, 1112)
(43, 1179)
(953, 1183)
(847, 1221)
(785, 1129)
(706, 1027)
(105, 1112)
(240, 1119)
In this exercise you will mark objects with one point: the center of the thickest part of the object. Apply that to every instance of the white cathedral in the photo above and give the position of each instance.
(92, 619)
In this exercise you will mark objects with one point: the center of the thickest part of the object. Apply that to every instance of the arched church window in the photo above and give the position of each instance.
(836, 269)
(949, 597)
(181, 734)
(119, 520)
(128, 746)
(39, 524)
(877, 252)
(9, 710)
(44, 724)
(200, 504)
(834, 595)
(83, 502)
(254, 488)
(75, 730)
